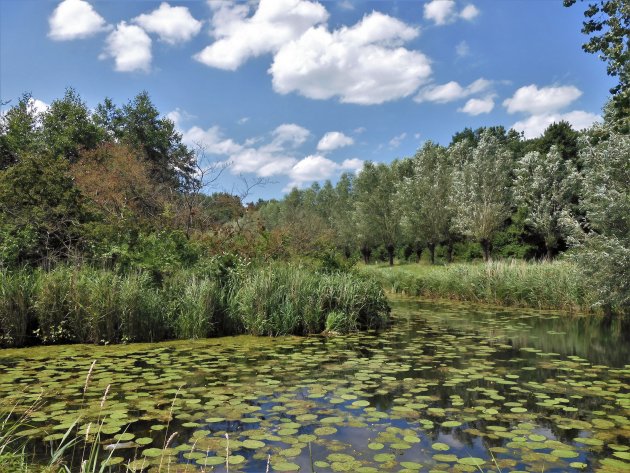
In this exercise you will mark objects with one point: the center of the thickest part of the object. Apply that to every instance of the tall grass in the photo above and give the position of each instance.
(88, 305)
(283, 299)
(555, 285)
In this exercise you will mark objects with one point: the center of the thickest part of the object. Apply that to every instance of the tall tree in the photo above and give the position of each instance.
(377, 209)
(19, 131)
(605, 255)
(426, 196)
(140, 126)
(545, 186)
(481, 189)
(67, 127)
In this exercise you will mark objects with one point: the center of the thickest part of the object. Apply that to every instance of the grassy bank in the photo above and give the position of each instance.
(557, 285)
(87, 305)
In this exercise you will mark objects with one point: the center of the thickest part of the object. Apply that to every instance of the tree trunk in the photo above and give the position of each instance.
(390, 252)
(449, 251)
(485, 246)
(432, 252)
(419, 250)
(366, 252)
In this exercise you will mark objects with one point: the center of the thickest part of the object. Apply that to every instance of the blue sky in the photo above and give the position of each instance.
(296, 91)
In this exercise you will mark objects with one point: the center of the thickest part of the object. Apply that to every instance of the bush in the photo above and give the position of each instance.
(16, 306)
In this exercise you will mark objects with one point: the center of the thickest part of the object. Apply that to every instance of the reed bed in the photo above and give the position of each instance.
(88, 305)
(557, 285)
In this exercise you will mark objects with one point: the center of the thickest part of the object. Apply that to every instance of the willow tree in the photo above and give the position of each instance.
(481, 189)
(377, 210)
(605, 255)
(425, 196)
(545, 186)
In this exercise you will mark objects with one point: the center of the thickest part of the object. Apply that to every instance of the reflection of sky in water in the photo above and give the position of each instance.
(504, 375)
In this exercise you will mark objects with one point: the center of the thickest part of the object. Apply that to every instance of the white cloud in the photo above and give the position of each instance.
(239, 37)
(535, 125)
(531, 99)
(469, 13)
(242, 121)
(478, 106)
(451, 91)
(211, 140)
(353, 164)
(360, 130)
(172, 24)
(397, 140)
(289, 134)
(130, 47)
(362, 64)
(462, 49)
(334, 140)
(441, 12)
(38, 105)
(75, 19)
(317, 168)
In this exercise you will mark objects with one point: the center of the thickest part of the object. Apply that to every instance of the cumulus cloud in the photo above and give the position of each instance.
(334, 140)
(531, 99)
(440, 12)
(535, 125)
(240, 37)
(211, 140)
(469, 13)
(451, 91)
(478, 106)
(317, 168)
(75, 19)
(38, 105)
(172, 24)
(443, 12)
(130, 47)
(362, 64)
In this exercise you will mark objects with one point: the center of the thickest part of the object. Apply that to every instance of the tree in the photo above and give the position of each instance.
(342, 214)
(19, 131)
(545, 185)
(67, 127)
(605, 252)
(607, 23)
(377, 209)
(41, 211)
(426, 196)
(139, 125)
(481, 189)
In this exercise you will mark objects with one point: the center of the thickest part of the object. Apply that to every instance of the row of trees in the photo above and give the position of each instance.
(485, 182)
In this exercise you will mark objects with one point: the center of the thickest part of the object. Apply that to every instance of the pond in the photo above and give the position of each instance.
(449, 387)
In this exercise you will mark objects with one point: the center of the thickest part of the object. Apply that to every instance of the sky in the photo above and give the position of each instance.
(299, 91)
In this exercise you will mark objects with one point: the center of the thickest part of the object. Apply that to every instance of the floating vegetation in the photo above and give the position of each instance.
(446, 388)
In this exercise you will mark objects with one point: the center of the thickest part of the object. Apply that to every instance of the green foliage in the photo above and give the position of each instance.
(291, 300)
(605, 251)
(41, 211)
(227, 296)
(481, 196)
(557, 285)
(545, 186)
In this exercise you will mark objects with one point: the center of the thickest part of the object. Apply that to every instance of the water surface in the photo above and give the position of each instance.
(449, 387)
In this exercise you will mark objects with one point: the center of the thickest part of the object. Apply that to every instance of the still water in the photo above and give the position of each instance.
(449, 387)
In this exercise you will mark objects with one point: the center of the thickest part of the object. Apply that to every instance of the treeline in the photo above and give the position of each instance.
(489, 192)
